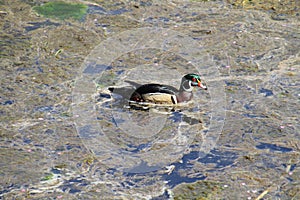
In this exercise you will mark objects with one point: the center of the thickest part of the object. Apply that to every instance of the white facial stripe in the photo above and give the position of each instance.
(190, 88)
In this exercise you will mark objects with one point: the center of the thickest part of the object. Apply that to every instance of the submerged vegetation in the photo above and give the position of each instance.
(62, 10)
(254, 45)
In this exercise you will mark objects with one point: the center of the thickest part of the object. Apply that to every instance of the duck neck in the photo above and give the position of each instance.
(185, 91)
(183, 96)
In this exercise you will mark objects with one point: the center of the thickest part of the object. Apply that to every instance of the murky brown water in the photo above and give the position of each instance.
(64, 137)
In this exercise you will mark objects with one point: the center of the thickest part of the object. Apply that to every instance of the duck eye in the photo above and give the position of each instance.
(193, 79)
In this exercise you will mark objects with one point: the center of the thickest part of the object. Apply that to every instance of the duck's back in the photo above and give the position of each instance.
(156, 88)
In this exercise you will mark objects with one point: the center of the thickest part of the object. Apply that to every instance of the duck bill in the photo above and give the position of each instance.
(202, 86)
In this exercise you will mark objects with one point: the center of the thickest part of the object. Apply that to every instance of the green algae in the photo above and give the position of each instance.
(62, 10)
(48, 177)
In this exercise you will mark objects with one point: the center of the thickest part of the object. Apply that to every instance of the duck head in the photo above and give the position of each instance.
(189, 81)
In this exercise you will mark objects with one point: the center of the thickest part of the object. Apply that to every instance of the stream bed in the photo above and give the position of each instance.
(65, 136)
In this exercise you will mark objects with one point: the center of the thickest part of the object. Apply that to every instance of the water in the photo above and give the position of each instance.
(64, 136)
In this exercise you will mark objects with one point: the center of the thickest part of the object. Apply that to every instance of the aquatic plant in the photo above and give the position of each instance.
(62, 10)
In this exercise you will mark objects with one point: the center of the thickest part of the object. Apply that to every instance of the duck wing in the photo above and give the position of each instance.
(156, 88)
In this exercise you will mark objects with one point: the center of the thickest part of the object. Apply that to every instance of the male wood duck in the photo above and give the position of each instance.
(161, 94)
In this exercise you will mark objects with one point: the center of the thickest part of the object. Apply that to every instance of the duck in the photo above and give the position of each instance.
(161, 94)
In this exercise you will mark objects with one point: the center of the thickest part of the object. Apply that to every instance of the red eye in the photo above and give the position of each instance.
(193, 79)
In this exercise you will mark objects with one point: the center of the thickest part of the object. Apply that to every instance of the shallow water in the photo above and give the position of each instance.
(63, 136)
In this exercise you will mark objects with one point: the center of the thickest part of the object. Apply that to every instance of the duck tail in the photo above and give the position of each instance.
(125, 92)
(134, 84)
(111, 89)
